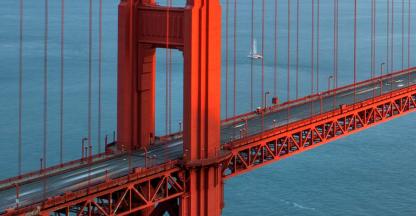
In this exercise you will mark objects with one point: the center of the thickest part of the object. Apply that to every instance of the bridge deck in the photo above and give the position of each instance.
(33, 191)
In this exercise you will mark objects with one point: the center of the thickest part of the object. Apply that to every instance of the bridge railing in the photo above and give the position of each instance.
(317, 118)
(313, 97)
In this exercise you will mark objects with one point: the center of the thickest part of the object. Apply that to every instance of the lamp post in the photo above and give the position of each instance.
(17, 195)
(381, 68)
(41, 164)
(84, 148)
(329, 82)
(265, 99)
(145, 157)
(381, 79)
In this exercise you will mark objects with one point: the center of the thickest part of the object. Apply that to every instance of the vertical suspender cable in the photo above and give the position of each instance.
(313, 47)
(388, 38)
(288, 59)
(170, 77)
(252, 60)
(312, 53)
(408, 34)
(89, 77)
(392, 37)
(262, 52)
(375, 36)
(373, 44)
(20, 86)
(235, 60)
(335, 51)
(288, 50)
(402, 34)
(45, 84)
(100, 51)
(275, 50)
(317, 44)
(167, 71)
(61, 105)
(334, 46)
(297, 48)
(408, 41)
(45, 94)
(355, 51)
(90, 90)
(131, 59)
(167, 93)
(334, 39)
(337, 45)
(227, 11)
(372, 41)
(263, 98)
(392, 43)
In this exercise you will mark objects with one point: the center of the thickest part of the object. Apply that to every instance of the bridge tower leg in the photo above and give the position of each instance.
(136, 81)
(202, 92)
(196, 31)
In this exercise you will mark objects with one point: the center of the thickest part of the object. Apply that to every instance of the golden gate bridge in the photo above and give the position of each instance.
(183, 173)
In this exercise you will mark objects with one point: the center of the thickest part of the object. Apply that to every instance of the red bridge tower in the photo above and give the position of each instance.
(196, 31)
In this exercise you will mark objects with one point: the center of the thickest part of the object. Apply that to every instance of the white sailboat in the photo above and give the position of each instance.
(253, 52)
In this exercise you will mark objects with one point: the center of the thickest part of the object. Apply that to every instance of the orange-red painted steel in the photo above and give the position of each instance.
(245, 155)
(122, 196)
(202, 119)
(193, 186)
(196, 31)
(282, 142)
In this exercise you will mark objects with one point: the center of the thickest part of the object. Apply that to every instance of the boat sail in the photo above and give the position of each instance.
(253, 52)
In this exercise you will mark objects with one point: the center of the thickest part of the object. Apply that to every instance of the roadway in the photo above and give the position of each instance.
(36, 191)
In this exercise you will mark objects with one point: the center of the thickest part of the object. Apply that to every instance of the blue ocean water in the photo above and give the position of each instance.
(370, 173)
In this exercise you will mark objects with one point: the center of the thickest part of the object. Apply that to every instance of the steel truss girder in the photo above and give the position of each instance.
(128, 198)
(121, 196)
(286, 141)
